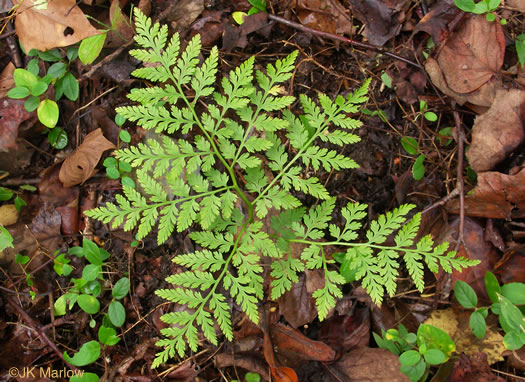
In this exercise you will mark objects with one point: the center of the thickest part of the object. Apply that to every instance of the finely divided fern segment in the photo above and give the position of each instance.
(238, 158)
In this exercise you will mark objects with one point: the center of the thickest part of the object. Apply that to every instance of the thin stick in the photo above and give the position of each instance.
(34, 326)
(332, 36)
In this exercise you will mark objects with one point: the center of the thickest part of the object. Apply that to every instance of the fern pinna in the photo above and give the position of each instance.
(234, 171)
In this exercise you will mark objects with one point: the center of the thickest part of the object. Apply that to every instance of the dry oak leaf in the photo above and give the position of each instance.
(80, 166)
(473, 54)
(61, 24)
(498, 131)
(6, 79)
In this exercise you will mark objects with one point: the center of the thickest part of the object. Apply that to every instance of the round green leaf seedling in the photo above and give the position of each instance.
(107, 336)
(88, 353)
(127, 181)
(88, 303)
(435, 338)
(57, 70)
(410, 145)
(121, 288)
(418, 169)
(124, 166)
(434, 357)
(90, 48)
(70, 86)
(409, 358)
(18, 93)
(514, 340)
(515, 292)
(33, 67)
(24, 78)
(6, 193)
(119, 120)
(91, 272)
(110, 162)
(117, 313)
(125, 136)
(113, 173)
(39, 89)
(478, 325)
(238, 17)
(21, 259)
(31, 103)
(47, 112)
(52, 55)
(465, 295)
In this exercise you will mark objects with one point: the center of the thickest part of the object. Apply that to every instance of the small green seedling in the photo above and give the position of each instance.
(445, 136)
(428, 115)
(119, 169)
(483, 7)
(412, 147)
(6, 194)
(431, 346)
(507, 303)
(85, 292)
(250, 377)
(257, 6)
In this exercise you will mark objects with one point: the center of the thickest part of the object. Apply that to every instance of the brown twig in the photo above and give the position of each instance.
(34, 326)
(13, 46)
(346, 40)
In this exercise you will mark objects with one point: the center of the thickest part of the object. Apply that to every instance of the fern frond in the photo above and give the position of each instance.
(329, 159)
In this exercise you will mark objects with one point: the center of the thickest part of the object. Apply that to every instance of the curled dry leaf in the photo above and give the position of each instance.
(80, 166)
(440, 21)
(383, 19)
(62, 23)
(497, 196)
(473, 54)
(498, 131)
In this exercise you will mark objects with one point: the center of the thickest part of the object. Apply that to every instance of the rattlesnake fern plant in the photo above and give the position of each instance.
(235, 170)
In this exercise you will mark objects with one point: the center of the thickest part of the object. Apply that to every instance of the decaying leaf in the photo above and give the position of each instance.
(484, 96)
(185, 12)
(518, 4)
(297, 305)
(380, 17)
(497, 196)
(371, 364)
(62, 23)
(294, 345)
(472, 369)
(8, 214)
(13, 116)
(80, 166)
(499, 131)
(456, 324)
(440, 21)
(473, 54)
(475, 247)
(6, 79)
(324, 15)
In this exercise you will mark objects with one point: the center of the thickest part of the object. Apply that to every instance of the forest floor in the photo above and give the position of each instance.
(447, 94)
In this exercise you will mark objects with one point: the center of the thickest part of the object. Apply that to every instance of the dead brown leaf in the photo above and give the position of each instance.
(223, 360)
(511, 268)
(476, 247)
(13, 118)
(6, 79)
(63, 23)
(440, 21)
(294, 345)
(324, 15)
(499, 131)
(497, 196)
(472, 369)
(345, 332)
(371, 364)
(122, 27)
(297, 305)
(80, 166)
(484, 96)
(8, 214)
(185, 12)
(380, 17)
(473, 54)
